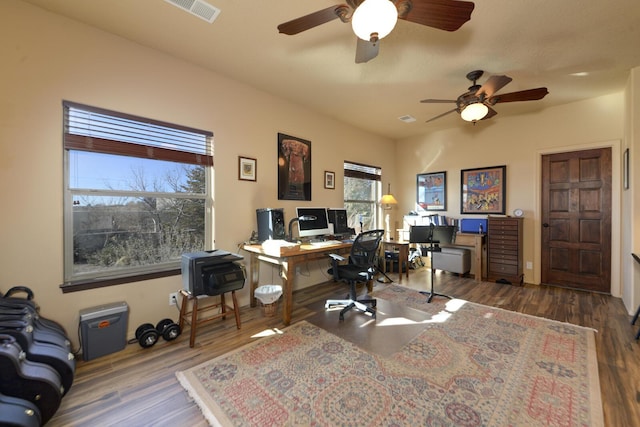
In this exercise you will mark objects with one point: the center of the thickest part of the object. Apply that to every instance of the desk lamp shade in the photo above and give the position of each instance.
(388, 199)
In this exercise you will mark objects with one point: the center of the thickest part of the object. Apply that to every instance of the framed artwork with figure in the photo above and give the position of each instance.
(432, 191)
(294, 168)
(483, 190)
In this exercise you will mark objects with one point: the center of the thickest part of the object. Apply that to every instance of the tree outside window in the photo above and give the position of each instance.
(136, 192)
(362, 187)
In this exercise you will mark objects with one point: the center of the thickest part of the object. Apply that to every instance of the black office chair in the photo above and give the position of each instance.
(360, 269)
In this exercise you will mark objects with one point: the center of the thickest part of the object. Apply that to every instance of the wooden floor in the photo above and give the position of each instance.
(138, 387)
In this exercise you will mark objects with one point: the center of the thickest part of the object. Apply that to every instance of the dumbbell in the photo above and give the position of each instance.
(168, 329)
(147, 335)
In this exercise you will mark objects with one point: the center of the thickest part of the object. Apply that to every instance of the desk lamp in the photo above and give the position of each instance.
(387, 201)
(300, 218)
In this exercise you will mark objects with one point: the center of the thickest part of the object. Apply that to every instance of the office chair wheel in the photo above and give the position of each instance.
(146, 335)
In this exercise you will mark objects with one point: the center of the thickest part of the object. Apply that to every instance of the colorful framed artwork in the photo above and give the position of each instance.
(247, 168)
(329, 180)
(294, 168)
(432, 191)
(483, 190)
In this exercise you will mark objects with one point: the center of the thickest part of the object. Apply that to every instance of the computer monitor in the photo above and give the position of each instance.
(338, 217)
(314, 227)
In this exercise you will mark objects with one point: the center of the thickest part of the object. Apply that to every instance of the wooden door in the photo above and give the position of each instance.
(576, 220)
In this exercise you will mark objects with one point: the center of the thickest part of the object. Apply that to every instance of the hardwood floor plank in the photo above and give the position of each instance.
(136, 386)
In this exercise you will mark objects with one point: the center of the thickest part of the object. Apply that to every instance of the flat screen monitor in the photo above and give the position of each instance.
(338, 217)
(313, 227)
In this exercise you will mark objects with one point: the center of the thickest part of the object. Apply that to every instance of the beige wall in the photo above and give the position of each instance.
(47, 59)
(518, 143)
(631, 217)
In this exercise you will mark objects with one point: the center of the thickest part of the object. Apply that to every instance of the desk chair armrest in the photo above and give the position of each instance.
(335, 259)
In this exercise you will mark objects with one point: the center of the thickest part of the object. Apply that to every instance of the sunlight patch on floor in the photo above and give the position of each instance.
(268, 333)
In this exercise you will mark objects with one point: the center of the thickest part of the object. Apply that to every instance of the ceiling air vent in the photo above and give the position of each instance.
(407, 118)
(199, 8)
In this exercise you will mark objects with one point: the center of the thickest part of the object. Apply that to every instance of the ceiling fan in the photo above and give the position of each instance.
(372, 20)
(476, 104)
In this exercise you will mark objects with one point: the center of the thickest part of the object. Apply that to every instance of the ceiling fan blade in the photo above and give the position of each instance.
(441, 115)
(448, 15)
(311, 20)
(490, 113)
(494, 84)
(438, 101)
(366, 51)
(523, 95)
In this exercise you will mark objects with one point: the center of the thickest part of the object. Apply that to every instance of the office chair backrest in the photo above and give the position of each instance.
(365, 248)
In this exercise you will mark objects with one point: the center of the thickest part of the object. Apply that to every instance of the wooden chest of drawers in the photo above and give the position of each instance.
(504, 257)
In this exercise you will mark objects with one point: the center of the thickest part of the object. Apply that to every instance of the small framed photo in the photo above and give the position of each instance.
(329, 180)
(625, 170)
(247, 168)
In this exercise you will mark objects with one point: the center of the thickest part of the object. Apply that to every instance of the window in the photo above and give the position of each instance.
(361, 193)
(136, 193)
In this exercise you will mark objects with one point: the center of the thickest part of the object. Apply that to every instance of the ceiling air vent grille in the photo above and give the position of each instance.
(407, 119)
(199, 8)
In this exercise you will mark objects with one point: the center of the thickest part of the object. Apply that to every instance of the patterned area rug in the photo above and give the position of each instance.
(471, 366)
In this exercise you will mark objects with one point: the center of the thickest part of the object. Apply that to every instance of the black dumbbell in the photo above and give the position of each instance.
(168, 329)
(147, 335)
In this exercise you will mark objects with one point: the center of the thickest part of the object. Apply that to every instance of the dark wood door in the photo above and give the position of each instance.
(576, 219)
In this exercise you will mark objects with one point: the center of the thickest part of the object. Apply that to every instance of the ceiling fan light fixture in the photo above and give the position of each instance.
(474, 112)
(374, 19)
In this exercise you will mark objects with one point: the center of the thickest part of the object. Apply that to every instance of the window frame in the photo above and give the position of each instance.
(201, 155)
(366, 172)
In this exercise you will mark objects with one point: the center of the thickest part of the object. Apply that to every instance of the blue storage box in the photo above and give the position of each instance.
(473, 225)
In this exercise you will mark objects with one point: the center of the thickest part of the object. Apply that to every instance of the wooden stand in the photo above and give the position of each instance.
(191, 317)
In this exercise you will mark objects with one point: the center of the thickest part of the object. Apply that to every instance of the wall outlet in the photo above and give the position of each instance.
(529, 265)
(173, 298)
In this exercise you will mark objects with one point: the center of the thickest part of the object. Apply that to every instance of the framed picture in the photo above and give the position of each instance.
(294, 168)
(247, 168)
(432, 191)
(329, 180)
(483, 190)
(625, 170)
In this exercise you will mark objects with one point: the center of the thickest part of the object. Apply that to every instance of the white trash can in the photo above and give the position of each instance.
(268, 296)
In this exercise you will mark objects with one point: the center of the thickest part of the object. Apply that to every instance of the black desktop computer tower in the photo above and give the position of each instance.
(270, 224)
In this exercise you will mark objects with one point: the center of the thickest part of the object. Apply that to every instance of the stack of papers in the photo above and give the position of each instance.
(277, 247)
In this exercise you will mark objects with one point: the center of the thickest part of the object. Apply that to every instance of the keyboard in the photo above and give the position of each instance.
(323, 243)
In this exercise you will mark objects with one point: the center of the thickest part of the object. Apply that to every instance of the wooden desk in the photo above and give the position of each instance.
(476, 241)
(403, 256)
(287, 259)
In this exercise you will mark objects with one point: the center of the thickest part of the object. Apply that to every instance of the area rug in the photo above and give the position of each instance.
(471, 366)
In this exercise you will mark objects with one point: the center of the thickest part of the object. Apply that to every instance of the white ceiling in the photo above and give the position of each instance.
(536, 42)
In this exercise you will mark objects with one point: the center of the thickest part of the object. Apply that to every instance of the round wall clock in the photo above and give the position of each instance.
(518, 212)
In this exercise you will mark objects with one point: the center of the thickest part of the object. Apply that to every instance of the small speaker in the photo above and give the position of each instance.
(270, 224)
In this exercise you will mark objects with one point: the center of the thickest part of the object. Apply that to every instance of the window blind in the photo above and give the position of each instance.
(104, 131)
